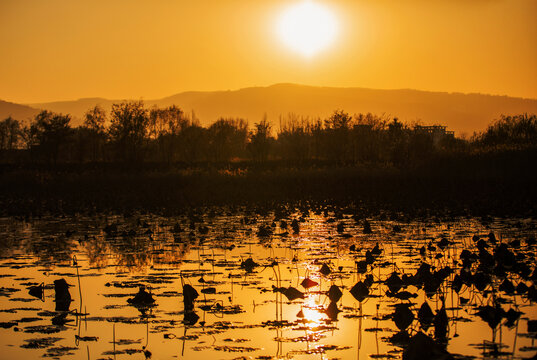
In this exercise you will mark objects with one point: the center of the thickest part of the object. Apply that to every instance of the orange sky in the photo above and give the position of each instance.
(65, 49)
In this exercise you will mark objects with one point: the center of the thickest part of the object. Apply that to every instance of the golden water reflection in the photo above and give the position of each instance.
(249, 271)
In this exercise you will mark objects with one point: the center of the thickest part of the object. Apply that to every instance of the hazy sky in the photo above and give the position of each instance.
(68, 49)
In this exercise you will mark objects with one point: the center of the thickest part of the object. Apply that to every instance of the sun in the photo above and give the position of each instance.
(307, 28)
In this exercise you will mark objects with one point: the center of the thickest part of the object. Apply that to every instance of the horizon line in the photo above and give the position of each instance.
(265, 87)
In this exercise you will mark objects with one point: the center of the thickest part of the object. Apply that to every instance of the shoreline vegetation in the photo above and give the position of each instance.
(161, 160)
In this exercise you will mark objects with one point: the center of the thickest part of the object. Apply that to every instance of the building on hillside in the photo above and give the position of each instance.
(438, 132)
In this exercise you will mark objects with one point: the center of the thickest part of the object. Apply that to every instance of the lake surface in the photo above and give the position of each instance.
(249, 270)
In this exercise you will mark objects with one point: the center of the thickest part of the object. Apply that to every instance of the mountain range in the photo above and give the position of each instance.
(463, 113)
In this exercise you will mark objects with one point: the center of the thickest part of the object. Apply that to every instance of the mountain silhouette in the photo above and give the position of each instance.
(463, 113)
(16, 111)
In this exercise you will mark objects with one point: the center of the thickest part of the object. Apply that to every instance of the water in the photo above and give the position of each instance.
(248, 317)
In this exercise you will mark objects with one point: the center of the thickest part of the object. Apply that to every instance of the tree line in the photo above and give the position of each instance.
(131, 133)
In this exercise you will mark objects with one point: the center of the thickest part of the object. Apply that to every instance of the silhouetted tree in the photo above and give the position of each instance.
(227, 138)
(93, 131)
(129, 129)
(337, 137)
(10, 133)
(339, 120)
(51, 131)
(95, 119)
(29, 136)
(295, 138)
(420, 147)
(510, 132)
(368, 138)
(317, 139)
(397, 143)
(165, 126)
(260, 141)
(168, 134)
(193, 143)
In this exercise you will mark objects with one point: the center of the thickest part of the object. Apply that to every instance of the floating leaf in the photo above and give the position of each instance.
(334, 293)
(292, 293)
(491, 315)
(403, 316)
(332, 311)
(325, 270)
(394, 282)
(249, 264)
(308, 283)
(37, 291)
(62, 295)
(360, 291)
(441, 323)
(425, 315)
(142, 298)
(422, 347)
(189, 295)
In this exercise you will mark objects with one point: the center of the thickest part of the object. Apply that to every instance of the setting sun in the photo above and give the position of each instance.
(281, 179)
(307, 28)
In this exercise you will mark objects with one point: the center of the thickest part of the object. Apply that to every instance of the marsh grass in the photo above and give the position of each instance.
(490, 183)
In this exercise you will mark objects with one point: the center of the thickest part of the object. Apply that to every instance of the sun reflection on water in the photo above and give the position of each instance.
(245, 306)
(313, 314)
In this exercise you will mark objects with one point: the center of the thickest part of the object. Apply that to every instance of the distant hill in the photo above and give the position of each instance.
(16, 111)
(460, 112)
